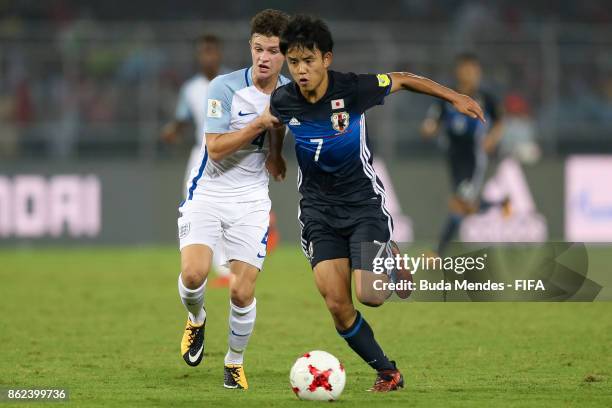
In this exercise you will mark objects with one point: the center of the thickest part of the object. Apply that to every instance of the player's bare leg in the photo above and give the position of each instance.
(365, 287)
(459, 208)
(243, 311)
(333, 279)
(195, 264)
(370, 287)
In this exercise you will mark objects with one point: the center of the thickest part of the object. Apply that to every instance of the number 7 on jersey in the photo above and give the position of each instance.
(320, 142)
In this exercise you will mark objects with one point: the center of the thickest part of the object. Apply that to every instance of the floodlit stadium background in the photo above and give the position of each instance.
(86, 87)
(89, 196)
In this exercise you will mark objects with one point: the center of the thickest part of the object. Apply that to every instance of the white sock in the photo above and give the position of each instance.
(241, 323)
(193, 299)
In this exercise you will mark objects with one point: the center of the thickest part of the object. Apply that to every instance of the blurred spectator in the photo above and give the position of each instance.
(8, 130)
(519, 134)
(606, 103)
(111, 71)
(23, 110)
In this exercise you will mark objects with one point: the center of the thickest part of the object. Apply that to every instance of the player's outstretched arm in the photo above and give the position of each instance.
(221, 145)
(419, 84)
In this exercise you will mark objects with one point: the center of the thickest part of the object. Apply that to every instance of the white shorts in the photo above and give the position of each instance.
(219, 258)
(242, 228)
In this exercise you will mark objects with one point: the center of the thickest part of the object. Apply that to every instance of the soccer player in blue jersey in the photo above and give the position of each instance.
(343, 201)
(469, 143)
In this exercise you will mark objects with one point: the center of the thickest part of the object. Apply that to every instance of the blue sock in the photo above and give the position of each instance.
(361, 339)
(450, 229)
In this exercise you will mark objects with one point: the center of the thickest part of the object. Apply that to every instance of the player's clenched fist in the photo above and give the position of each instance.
(468, 106)
(267, 120)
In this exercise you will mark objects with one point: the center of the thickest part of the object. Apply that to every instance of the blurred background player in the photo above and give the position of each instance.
(470, 141)
(191, 108)
(227, 198)
(191, 105)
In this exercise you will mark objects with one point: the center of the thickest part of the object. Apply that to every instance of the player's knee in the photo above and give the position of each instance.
(193, 275)
(460, 206)
(241, 296)
(339, 309)
(367, 296)
(371, 300)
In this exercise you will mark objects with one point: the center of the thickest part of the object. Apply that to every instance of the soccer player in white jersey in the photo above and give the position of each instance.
(191, 107)
(227, 197)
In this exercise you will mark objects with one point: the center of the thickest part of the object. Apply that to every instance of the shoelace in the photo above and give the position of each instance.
(235, 372)
(192, 332)
(382, 379)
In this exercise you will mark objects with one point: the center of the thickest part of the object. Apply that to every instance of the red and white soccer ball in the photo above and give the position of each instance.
(317, 376)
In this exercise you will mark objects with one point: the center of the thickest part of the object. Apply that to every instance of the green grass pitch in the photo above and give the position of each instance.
(106, 324)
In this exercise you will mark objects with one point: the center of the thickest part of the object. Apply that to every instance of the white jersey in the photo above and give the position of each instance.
(233, 102)
(192, 105)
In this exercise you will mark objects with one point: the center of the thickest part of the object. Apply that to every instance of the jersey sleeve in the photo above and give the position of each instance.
(218, 107)
(182, 112)
(372, 89)
(275, 101)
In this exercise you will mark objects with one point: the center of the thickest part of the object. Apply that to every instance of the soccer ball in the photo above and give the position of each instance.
(317, 376)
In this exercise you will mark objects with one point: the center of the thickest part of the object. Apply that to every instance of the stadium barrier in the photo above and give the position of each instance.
(135, 202)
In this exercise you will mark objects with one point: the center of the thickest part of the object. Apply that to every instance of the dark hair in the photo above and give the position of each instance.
(269, 22)
(467, 57)
(309, 32)
(208, 39)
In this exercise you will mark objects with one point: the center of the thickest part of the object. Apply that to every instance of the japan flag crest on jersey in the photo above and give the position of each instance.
(337, 104)
(340, 121)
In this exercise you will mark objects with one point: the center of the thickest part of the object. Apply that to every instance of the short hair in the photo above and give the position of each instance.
(467, 57)
(269, 22)
(308, 32)
(208, 39)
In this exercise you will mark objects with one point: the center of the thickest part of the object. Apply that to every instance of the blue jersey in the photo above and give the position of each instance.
(331, 137)
(465, 134)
